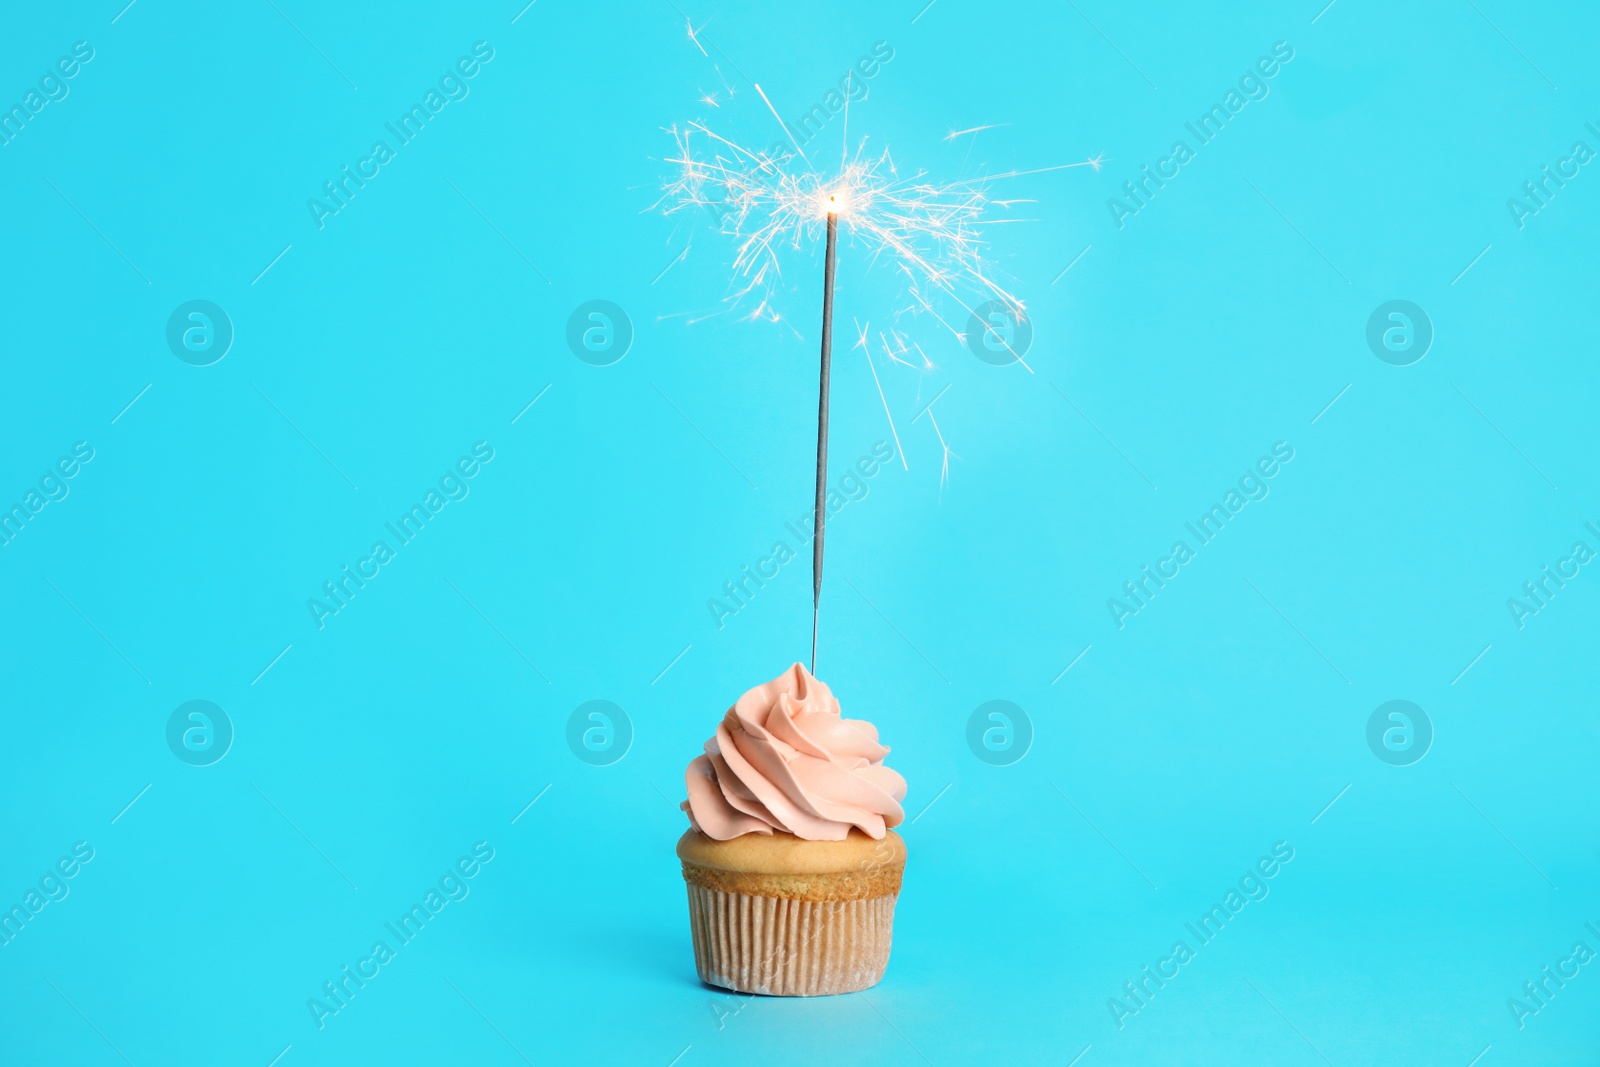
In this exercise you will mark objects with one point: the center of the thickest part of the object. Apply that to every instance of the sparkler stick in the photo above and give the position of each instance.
(929, 232)
(821, 511)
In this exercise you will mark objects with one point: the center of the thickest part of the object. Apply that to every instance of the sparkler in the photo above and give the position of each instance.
(929, 232)
(821, 512)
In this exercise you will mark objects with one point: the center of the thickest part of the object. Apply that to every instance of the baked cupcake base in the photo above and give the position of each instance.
(775, 914)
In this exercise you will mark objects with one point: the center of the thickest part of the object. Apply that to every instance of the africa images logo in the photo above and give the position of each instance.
(1252, 86)
(53, 88)
(452, 87)
(1252, 486)
(1252, 887)
(452, 486)
(452, 886)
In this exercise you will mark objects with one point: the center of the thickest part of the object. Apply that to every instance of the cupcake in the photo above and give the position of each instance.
(791, 868)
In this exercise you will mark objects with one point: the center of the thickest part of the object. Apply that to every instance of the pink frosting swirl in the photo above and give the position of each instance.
(784, 759)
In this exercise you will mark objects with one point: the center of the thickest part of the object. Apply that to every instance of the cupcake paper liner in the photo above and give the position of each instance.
(789, 948)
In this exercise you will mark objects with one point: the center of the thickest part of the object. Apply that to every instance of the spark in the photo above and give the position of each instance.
(694, 37)
(787, 131)
(927, 231)
(1094, 163)
(776, 202)
(897, 350)
(861, 343)
(953, 134)
(944, 463)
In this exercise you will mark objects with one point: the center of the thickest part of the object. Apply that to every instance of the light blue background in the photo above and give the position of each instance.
(428, 714)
